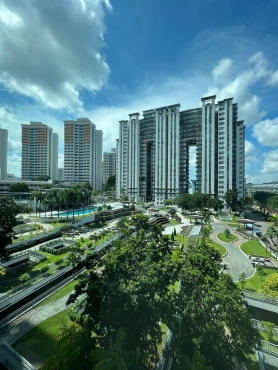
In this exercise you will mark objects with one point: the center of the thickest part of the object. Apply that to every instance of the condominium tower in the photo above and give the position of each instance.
(153, 152)
(3, 153)
(108, 165)
(83, 153)
(39, 151)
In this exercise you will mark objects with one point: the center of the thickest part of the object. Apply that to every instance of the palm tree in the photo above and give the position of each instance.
(33, 196)
(52, 196)
(59, 199)
(64, 197)
(39, 198)
(45, 203)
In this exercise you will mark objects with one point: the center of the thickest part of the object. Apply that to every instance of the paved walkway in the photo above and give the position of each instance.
(16, 329)
(237, 262)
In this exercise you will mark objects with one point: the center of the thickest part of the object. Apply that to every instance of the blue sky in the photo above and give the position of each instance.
(103, 60)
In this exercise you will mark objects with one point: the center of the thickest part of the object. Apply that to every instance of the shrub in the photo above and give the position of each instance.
(227, 233)
(270, 285)
(59, 261)
(44, 269)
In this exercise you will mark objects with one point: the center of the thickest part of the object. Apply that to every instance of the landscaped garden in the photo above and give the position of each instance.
(226, 238)
(256, 281)
(222, 250)
(42, 338)
(254, 247)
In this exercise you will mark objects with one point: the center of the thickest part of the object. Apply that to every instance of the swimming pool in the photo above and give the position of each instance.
(82, 212)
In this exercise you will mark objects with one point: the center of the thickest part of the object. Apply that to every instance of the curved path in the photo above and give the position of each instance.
(237, 262)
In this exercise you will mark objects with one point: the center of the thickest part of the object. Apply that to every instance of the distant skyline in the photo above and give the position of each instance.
(103, 60)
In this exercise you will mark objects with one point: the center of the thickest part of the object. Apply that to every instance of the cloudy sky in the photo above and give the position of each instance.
(105, 59)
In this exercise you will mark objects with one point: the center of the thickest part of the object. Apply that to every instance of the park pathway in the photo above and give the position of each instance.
(18, 328)
(237, 262)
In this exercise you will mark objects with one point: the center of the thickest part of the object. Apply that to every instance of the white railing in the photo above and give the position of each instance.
(269, 347)
(259, 325)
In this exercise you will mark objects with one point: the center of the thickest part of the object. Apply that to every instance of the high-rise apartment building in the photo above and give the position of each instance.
(60, 174)
(3, 153)
(108, 165)
(153, 152)
(83, 153)
(39, 151)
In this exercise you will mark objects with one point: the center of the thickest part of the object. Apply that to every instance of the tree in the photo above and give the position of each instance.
(198, 361)
(111, 181)
(184, 201)
(261, 271)
(269, 327)
(261, 198)
(74, 256)
(208, 315)
(132, 292)
(172, 236)
(212, 316)
(231, 198)
(72, 350)
(227, 233)
(242, 279)
(116, 358)
(270, 285)
(175, 233)
(272, 204)
(19, 187)
(24, 278)
(8, 212)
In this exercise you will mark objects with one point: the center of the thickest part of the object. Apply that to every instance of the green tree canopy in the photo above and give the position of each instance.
(19, 187)
(231, 198)
(261, 198)
(134, 291)
(8, 212)
(41, 178)
(270, 285)
(272, 204)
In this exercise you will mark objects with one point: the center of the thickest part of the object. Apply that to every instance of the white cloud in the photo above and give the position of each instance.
(222, 69)
(50, 57)
(250, 151)
(14, 165)
(61, 160)
(266, 132)
(14, 146)
(271, 163)
(256, 69)
(5, 117)
(273, 79)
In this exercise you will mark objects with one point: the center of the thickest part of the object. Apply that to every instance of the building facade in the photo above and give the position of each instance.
(3, 153)
(153, 152)
(82, 153)
(60, 175)
(108, 165)
(39, 151)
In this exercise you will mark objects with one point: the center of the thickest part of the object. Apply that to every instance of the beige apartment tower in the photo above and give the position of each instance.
(83, 153)
(39, 151)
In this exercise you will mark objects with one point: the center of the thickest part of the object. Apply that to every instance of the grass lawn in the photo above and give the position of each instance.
(179, 238)
(42, 338)
(264, 337)
(254, 247)
(224, 238)
(219, 247)
(164, 331)
(174, 222)
(255, 282)
(61, 292)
